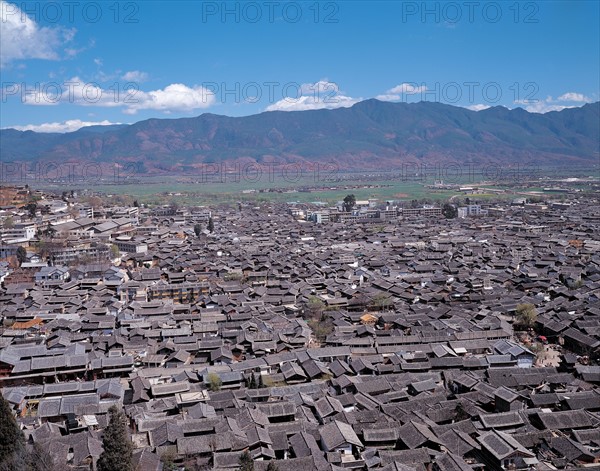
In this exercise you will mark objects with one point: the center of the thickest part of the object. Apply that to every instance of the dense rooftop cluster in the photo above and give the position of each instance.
(394, 341)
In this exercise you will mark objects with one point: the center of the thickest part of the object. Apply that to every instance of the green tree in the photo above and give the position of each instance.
(38, 459)
(211, 225)
(382, 301)
(214, 382)
(50, 231)
(117, 454)
(526, 315)
(168, 460)
(321, 328)
(246, 462)
(349, 202)
(32, 208)
(11, 439)
(197, 229)
(21, 254)
(449, 211)
(95, 202)
(315, 306)
(114, 251)
(136, 204)
(260, 383)
(272, 466)
(252, 384)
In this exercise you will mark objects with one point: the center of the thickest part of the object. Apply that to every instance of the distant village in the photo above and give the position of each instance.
(363, 335)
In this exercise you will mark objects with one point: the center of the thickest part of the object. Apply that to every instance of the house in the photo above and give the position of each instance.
(54, 274)
(506, 400)
(500, 451)
(524, 357)
(565, 420)
(436, 381)
(339, 437)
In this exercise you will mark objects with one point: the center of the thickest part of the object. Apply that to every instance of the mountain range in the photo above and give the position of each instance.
(369, 135)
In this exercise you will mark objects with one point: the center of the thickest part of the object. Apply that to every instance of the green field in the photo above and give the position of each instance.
(167, 189)
(328, 188)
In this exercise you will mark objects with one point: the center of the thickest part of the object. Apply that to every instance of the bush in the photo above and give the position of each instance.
(321, 329)
(214, 382)
(168, 460)
(382, 302)
(526, 315)
(315, 307)
(246, 462)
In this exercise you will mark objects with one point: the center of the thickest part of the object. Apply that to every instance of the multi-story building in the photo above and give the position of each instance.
(387, 213)
(178, 292)
(427, 211)
(69, 255)
(472, 210)
(130, 245)
(18, 233)
(320, 217)
(8, 250)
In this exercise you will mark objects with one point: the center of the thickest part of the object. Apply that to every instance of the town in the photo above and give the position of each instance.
(366, 335)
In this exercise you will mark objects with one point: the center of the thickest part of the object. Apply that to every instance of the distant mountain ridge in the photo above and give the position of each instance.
(370, 134)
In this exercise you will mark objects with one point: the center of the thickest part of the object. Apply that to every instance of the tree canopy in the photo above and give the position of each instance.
(449, 211)
(214, 382)
(315, 306)
(246, 462)
(11, 438)
(21, 254)
(526, 315)
(118, 449)
(349, 202)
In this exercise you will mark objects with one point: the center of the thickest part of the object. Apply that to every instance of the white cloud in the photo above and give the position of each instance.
(408, 89)
(23, 38)
(551, 104)
(478, 107)
(75, 91)
(135, 76)
(395, 93)
(572, 96)
(305, 103)
(320, 87)
(387, 97)
(544, 107)
(314, 96)
(66, 126)
(174, 97)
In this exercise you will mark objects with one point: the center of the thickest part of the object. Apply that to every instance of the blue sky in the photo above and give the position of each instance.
(64, 65)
